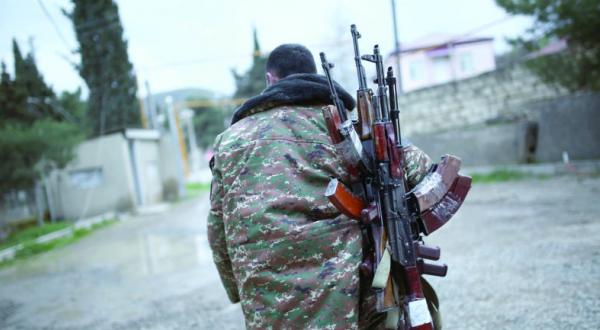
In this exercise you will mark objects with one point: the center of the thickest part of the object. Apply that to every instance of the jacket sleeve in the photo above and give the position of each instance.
(216, 238)
(417, 164)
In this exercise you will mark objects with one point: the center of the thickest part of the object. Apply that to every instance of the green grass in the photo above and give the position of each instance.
(196, 189)
(31, 248)
(502, 175)
(31, 233)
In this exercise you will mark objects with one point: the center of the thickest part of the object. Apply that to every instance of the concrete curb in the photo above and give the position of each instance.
(580, 167)
(11, 252)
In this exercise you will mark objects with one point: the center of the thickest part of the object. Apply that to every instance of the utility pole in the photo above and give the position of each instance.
(150, 109)
(397, 49)
(187, 116)
(174, 135)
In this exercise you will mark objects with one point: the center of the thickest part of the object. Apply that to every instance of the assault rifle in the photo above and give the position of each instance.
(364, 94)
(392, 217)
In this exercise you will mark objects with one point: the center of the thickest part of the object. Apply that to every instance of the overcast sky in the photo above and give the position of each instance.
(185, 43)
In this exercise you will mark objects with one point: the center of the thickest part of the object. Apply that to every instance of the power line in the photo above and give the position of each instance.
(62, 37)
(468, 33)
(216, 58)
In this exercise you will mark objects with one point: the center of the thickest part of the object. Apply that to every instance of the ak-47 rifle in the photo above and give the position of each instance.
(393, 218)
(364, 94)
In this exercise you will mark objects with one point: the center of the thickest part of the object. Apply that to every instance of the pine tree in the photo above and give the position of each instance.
(29, 81)
(105, 66)
(12, 101)
(31, 136)
(253, 81)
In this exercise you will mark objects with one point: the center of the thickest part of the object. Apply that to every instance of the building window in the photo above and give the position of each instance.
(466, 63)
(416, 70)
(86, 178)
(442, 72)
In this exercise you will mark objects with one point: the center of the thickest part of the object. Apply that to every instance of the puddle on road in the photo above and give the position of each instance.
(160, 254)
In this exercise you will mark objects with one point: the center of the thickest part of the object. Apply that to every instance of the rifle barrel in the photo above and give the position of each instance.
(394, 111)
(362, 78)
(334, 96)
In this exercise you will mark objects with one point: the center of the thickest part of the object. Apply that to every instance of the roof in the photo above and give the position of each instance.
(440, 41)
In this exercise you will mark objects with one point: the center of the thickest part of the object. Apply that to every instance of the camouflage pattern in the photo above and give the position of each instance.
(281, 248)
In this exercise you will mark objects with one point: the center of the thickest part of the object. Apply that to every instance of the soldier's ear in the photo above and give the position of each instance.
(271, 78)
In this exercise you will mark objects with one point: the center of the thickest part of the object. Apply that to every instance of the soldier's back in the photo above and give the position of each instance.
(293, 256)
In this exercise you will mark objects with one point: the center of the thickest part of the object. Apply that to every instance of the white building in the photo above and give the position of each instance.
(439, 59)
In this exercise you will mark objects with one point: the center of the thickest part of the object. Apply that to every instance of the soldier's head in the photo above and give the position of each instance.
(288, 59)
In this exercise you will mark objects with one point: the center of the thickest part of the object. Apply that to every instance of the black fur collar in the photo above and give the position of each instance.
(295, 89)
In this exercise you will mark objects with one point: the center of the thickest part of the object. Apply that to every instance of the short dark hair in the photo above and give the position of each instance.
(288, 59)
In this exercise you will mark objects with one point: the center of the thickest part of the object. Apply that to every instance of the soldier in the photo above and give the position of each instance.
(281, 248)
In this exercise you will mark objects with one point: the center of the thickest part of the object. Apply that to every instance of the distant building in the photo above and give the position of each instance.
(440, 59)
(123, 171)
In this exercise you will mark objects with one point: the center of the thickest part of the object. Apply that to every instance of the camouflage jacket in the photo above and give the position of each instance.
(281, 248)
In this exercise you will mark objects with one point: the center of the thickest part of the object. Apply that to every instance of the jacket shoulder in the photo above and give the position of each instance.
(301, 123)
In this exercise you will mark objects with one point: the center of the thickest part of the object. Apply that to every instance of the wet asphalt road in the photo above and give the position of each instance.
(522, 255)
(151, 272)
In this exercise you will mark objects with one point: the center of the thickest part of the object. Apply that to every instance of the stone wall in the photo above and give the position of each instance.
(500, 93)
(543, 131)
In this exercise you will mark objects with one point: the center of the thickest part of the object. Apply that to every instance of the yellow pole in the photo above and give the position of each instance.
(143, 114)
(181, 139)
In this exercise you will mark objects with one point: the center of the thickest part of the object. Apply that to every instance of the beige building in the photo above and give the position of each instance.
(117, 172)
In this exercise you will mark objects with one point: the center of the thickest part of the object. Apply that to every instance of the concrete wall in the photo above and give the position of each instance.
(148, 168)
(501, 93)
(100, 179)
(571, 124)
(481, 145)
(169, 166)
(545, 129)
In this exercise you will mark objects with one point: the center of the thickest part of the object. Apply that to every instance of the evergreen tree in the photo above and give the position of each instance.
(31, 137)
(105, 66)
(209, 121)
(12, 100)
(29, 81)
(577, 23)
(74, 106)
(253, 81)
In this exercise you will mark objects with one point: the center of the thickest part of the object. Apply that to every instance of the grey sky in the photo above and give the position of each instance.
(183, 43)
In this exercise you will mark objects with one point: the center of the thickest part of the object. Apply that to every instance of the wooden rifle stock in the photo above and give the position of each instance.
(333, 123)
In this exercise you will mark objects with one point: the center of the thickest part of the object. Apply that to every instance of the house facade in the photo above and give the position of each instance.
(439, 59)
